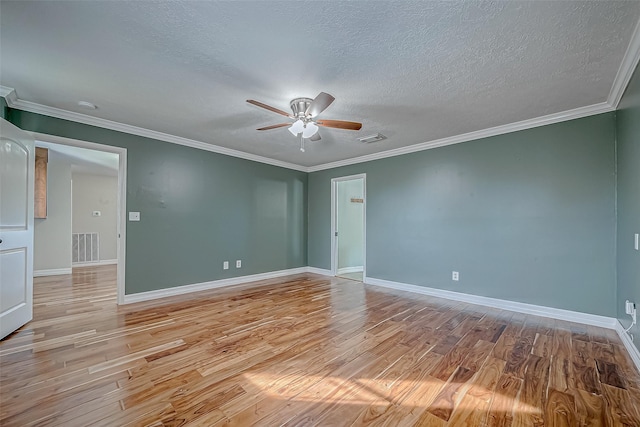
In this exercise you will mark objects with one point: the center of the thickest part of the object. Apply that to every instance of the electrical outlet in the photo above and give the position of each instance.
(238, 263)
(629, 307)
(636, 241)
(455, 276)
(225, 265)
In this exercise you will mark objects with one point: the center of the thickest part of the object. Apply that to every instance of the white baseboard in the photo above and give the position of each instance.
(628, 344)
(519, 307)
(345, 270)
(51, 272)
(232, 281)
(321, 271)
(95, 264)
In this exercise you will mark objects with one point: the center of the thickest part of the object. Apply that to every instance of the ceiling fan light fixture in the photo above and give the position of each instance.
(309, 130)
(304, 110)
(297, 127)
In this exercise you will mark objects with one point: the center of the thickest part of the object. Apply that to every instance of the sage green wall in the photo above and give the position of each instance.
(628, 187)
(198, 209)
(527, 216)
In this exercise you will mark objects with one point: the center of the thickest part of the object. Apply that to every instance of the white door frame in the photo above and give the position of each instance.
(334, 213)
(122, 194)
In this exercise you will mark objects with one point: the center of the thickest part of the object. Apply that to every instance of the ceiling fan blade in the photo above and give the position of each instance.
(315, 137)
(269, 107)
(318, 105)
(339, 124)
(280, 125)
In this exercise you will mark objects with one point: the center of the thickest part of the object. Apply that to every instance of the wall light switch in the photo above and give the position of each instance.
(96, 213)
(635, 241)
(134, 216)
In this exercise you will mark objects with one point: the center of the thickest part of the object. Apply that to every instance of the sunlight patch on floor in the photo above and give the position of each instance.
(363, 391)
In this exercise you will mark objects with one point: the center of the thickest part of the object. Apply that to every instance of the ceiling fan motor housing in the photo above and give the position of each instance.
(299, 106)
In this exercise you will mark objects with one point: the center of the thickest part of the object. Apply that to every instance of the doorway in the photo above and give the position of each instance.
(92, 165)
(348, 227)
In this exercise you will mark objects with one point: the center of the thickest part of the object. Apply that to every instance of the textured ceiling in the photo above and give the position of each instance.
(414, 71)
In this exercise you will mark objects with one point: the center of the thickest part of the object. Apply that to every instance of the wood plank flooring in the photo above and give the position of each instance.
(304, 350)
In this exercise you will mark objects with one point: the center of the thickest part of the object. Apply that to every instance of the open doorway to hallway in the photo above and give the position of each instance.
(348, 218)
(81, 234)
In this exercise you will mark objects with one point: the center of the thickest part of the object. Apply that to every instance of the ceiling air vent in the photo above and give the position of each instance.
(372, 138)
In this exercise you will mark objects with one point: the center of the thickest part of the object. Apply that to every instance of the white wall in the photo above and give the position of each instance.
(52, 235)
(350, 224)
(97, 193)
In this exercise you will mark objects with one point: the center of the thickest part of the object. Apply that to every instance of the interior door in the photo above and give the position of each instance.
(17, 165)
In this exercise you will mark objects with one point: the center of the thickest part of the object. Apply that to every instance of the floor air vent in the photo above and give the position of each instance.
(84, 248)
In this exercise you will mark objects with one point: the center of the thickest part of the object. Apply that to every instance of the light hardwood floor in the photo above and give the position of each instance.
(353, 276)
(304, 350)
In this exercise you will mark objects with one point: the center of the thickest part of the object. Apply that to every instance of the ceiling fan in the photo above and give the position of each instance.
(304, 112)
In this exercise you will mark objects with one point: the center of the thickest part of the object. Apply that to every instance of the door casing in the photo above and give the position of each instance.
(334, 222)
(122, 196)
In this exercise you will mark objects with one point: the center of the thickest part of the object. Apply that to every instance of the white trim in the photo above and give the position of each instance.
(55, 139)
(51, 272)
(518, 307)
(122, 196)
(627, 67)
(628, 344)
(316, 270)
(122, 225)
(95, 264)
(9, 94)
(334, 213)
(6, 91)
(345, 270)
(59, 113)
(563, 116)
(196, 287)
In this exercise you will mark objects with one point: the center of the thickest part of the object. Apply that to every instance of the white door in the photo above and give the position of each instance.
(17, 165)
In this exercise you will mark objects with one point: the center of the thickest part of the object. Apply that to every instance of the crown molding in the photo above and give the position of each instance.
(9, 94)
(563, 116)
(58, 113)
(14, 102)
(627, 67)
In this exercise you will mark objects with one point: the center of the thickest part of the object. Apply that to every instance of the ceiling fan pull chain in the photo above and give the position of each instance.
(301, 143)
